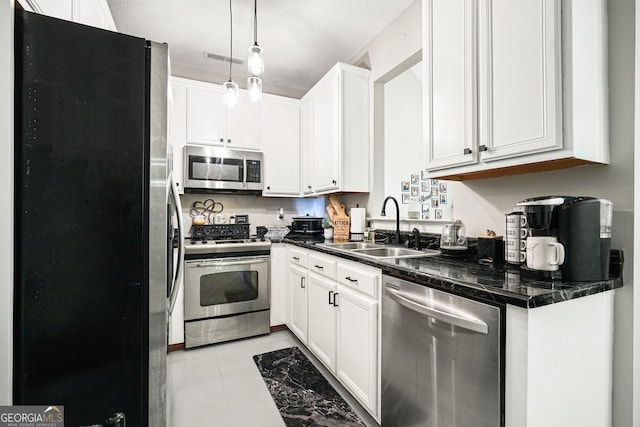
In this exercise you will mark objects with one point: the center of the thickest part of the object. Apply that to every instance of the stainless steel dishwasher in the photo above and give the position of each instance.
(442, 358)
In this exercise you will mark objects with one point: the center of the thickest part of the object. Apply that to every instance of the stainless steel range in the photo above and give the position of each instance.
(226, 284)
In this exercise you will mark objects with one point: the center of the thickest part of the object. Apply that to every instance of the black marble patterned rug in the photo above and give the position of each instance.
(303, 396)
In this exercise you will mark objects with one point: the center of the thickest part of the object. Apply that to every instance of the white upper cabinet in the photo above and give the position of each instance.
(326, 134)
(177, 128)
(513, 87)
(519, 78)
(306, 117)
(335, 119)
(95, 13)
(210, 122)
(449, 67)
(280, 142)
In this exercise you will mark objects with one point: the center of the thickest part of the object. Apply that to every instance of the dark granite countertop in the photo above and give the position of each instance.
(484, 282)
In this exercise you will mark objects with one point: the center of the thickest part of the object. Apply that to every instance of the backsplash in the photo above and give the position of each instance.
(261, 210)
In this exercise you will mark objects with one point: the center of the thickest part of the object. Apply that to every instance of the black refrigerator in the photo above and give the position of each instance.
(91, 226)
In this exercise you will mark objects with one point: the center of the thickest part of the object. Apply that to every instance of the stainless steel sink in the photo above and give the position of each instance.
(393, 252)
(348, 246)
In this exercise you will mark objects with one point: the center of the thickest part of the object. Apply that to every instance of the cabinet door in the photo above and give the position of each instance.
(308, 164)
(520, 83)
(322, 320)
(280, 140)
(177, 130)
(279, 288)
(242, 125)
(326, 134)
(357, 346)
(205, 115)
(449, 84)
(298, 302)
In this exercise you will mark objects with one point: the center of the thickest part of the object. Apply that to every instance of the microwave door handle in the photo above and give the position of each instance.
(178, 276)
(450, 318)
(244, 171)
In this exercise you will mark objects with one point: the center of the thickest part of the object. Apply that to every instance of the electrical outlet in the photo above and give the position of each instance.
(280, 215)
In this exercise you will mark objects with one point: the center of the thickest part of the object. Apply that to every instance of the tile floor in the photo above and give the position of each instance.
(219, 385)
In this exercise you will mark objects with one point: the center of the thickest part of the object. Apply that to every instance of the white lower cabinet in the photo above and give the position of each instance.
(343, 323)
(322, 319)
(298, 302)
(357, 345)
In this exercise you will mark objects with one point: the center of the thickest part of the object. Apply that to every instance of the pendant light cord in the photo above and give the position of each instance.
(255, 22)
(231, 38)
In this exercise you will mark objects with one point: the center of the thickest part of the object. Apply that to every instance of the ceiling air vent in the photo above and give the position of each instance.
(222, 58)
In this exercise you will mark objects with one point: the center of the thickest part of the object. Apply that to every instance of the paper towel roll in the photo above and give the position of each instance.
(357, 219)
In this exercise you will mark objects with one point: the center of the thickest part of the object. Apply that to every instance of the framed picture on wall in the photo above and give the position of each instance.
(404, 186)
(405, 198)
(423, 175)
(415, 191)
(443, 199)
(438, 213)
(426, 188)
(415, 179)
(426, 214)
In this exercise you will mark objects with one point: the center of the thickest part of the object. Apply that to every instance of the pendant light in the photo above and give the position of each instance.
(230, 88)
(256, 60)
(255, 63)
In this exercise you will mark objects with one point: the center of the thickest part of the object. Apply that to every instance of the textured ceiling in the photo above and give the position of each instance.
(301, 39)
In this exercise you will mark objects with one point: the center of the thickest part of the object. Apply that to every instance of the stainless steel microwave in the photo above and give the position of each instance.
(218, 169)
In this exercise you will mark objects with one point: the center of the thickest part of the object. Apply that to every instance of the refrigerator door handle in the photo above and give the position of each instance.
(176, 279)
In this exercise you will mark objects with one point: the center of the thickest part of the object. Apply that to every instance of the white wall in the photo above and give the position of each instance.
(403, 148)
(6, 199)
(481, 204)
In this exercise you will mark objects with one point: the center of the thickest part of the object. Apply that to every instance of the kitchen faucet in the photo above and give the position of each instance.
(383, 213)
(416, 238)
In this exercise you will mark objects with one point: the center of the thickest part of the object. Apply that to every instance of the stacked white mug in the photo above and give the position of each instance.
(515, 247)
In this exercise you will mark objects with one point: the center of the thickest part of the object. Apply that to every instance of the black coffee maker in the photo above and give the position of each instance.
(582, 225)
(584, 228)
(542, 214)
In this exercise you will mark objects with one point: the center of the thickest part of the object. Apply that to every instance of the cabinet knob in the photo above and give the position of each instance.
(229, 141)
(334, 182)
(467, 151)
(302, 282)
(482, 148)
(268, 187)
(335, 299)
(330, 293)
(221, 139)
(319, 267)
(309, 187)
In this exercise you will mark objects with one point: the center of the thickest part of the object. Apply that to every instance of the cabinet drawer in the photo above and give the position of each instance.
(363, 279)
(298, 257)
(323, 265)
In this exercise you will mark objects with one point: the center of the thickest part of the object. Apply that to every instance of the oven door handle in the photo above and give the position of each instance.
(175, 286)
(227, 262)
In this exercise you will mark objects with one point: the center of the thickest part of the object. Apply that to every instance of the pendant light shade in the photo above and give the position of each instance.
(230, 89)
(256, 60)
(254, 86)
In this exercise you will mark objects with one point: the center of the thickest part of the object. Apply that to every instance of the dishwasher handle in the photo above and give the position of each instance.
(450, 318)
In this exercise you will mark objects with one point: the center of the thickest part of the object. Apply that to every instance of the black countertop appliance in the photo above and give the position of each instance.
(584, 228)
(542, 214)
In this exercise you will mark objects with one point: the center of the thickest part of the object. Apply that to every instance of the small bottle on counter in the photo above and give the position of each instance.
(369, 234)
